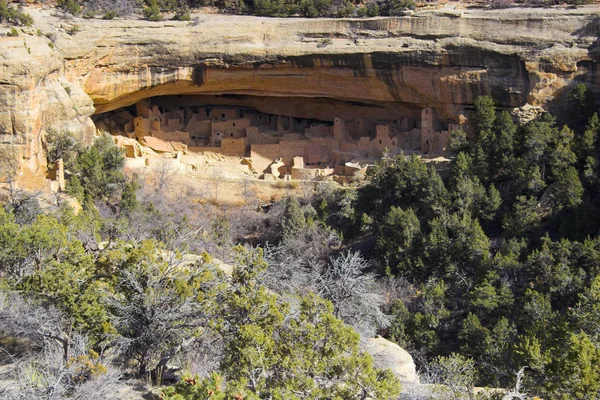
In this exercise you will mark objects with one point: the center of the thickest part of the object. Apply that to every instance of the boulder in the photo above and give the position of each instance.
(157, 144)
(388, 355)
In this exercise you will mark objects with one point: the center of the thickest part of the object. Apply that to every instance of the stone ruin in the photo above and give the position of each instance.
(274, 146)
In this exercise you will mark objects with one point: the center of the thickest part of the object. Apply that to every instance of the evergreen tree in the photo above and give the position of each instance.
(292, 220)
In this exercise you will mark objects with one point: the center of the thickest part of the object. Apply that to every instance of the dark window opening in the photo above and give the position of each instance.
(380, 142)
(222, 115)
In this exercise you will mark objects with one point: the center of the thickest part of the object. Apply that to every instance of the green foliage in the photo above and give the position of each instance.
(306, 8)
(69, 6)
(397, 7)
(485, 113)
(576, 373)
(568, 189)
(152, 11)
(129, 201)
(516, 302)
(14, 15)
(292, 220)
(62, 145)
(183, 13)
(373, 10)
(158, 305)
(396, 237)
(457, 373)
(194, 388)
(582, 104)
(272, 351)
(346, 9)
(98, 169)
(53, 268)
(524, 217)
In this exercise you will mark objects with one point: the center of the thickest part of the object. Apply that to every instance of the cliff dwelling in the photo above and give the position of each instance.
(275, 146)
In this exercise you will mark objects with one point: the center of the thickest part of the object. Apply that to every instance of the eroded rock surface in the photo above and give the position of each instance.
(442, 59)
(387, 354)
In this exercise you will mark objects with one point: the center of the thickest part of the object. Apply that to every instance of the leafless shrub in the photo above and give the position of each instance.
(353, 292)
(22, 318)
(47, 376)
(154, 319)
(112, 8)
(500, 3)
(22, 203)
(515, 393)
(394, 288)
(61, 364)
(292, 264)
(204, 356)
(455, 376)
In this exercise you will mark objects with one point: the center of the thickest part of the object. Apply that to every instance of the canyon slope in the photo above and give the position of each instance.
(58, 73)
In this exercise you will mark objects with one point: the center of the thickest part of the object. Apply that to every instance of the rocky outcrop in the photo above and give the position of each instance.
(36, 98)
(442, 59)
(388, 355)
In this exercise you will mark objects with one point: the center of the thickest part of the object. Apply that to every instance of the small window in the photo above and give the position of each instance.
(231, 134)
(393, 143)
(380, 142)
(426, 112)
(234, 124)
(222, 115)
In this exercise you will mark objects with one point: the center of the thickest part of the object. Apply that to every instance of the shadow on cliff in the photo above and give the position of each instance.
(588, 70)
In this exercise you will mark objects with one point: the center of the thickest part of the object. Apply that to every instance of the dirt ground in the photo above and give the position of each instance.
(217, 179)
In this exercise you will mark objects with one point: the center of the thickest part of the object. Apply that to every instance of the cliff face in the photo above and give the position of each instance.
(439, 59)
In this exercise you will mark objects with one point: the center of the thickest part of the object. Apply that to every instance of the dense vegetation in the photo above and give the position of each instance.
(13, 15)
(86, 298)
(502, 256)
(153, 9)
(489, 270)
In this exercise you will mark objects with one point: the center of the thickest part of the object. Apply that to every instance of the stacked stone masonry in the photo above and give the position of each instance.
(301, 148)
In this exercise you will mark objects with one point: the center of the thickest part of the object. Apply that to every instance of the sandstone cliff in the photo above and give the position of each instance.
(442, 59)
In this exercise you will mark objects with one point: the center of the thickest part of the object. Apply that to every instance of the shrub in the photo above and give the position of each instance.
(62, 145)
(373, 10)
(99, 168)
(13, 32)
(13, 15)
(110, 9)
(346, 9)
(73, 29)
(183, 13)
(110, 14)
(152, 12)
(69, 6)
(397, 7)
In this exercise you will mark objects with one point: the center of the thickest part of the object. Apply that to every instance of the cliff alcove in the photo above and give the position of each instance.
(283, 137)
(381, 69)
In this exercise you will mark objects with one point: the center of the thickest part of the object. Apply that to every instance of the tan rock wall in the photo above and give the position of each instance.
(263, 155)
(439, 59)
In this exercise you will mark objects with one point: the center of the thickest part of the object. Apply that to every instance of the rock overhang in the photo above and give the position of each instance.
(442, 60)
